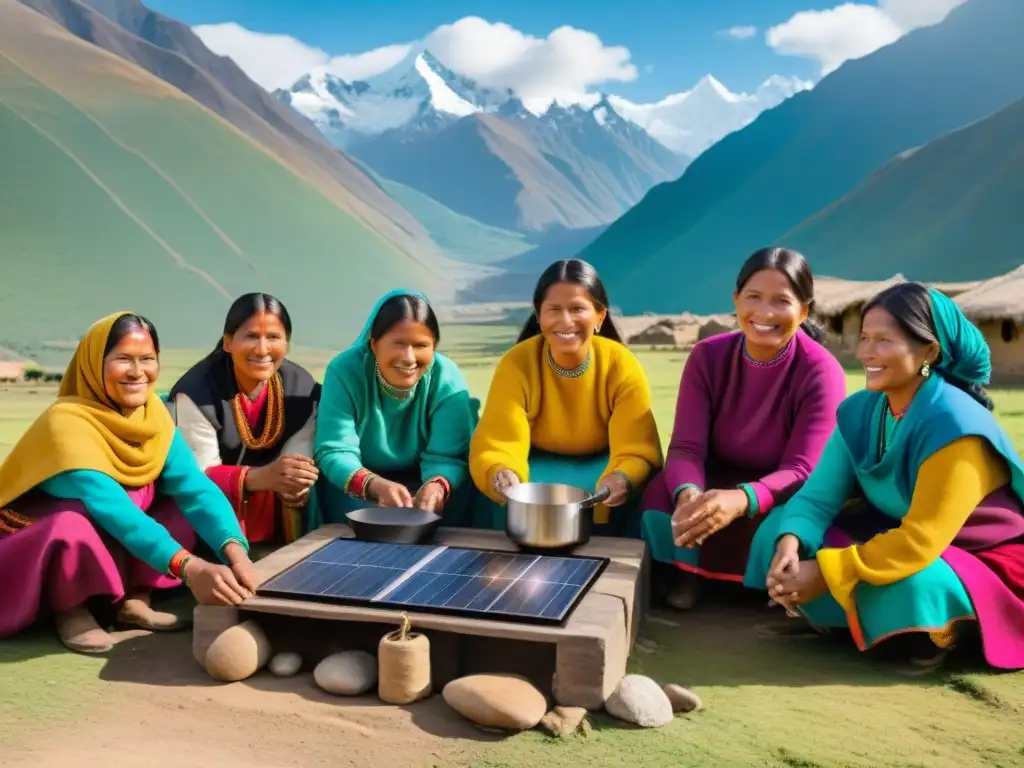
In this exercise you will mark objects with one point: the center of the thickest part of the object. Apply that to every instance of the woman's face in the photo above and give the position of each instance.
(257, 348)
(891, 360)
(768, 310)
(130, 369)
(569, 317)
(404, 353)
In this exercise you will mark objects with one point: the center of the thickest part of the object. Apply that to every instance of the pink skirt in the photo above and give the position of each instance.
(60, 559)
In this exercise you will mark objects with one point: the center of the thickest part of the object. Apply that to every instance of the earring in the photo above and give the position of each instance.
(598, 328)
(926, 370)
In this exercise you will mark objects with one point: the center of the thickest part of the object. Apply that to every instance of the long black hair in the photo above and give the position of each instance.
(911, 307)
(398, 309)
(797, 271)
(124, 325)
(244, 307)
(577, 272)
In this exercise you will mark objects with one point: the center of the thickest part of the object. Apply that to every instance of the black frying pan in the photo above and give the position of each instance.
(393, 525)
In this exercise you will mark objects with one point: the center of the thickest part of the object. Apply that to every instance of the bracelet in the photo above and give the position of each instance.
(443, 482)
(176, 567)
(183, 577)
(359, 483)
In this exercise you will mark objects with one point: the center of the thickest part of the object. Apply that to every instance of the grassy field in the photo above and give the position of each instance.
(803, 703)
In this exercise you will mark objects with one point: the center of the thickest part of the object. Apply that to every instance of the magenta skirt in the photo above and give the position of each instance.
(53, 558)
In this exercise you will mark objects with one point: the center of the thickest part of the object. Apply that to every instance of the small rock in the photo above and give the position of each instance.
(639, 700)
(285, 664)
(510, 702)
(348, 673)
(565, 721)
(682, 699)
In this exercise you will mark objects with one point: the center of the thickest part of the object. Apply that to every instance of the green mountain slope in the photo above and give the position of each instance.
(175, 54)
(458, 236)
(679, 248)
(950, 208)
(119, 191)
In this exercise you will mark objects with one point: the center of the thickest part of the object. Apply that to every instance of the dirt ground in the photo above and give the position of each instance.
(164, 710)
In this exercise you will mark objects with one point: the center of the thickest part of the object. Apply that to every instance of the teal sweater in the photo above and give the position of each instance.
(358, 425)
(108, 504)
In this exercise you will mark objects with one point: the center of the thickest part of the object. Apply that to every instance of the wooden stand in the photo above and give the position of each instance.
(588, 655)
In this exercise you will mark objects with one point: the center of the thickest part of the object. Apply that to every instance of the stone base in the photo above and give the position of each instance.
(578, 665)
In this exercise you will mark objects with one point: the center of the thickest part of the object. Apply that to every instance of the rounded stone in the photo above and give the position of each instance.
(348, 673)
(682, 699)
(509, 702)
(641, 701)
(285, 664)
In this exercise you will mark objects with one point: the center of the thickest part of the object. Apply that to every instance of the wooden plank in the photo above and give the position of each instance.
(588, 667)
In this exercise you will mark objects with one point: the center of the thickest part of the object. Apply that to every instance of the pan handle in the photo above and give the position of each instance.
(603, 493)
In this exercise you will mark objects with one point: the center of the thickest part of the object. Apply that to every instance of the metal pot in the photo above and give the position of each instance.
(393, 525)
(550, 515)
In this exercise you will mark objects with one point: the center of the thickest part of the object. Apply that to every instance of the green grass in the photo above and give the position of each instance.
(802, 703)
(125, 198)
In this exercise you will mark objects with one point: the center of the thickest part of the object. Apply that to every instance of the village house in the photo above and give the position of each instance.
(996, 306)
(838, 305)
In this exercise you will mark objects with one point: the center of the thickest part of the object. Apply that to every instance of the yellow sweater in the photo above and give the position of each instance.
(529, 405)
(949, 487)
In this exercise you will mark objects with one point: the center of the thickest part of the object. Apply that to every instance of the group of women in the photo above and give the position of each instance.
(896, 511)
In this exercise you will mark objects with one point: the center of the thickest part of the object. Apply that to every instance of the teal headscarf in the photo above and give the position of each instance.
(363, 340)
(966, 356)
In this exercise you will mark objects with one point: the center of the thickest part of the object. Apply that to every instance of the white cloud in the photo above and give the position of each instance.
(277, 61)
(739, 33)
(852, 30)
(565, 65)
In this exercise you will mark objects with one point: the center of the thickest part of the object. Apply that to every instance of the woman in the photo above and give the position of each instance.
(395, 417)
(90, 499)
(568, 404)
(754, 411)
(249, 416)
(937, 541)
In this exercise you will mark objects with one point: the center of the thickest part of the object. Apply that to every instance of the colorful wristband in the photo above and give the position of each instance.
(443, 482)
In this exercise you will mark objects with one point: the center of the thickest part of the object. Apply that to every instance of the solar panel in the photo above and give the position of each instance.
(507, 586)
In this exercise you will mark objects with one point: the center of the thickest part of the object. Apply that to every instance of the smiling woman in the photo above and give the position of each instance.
(101, 498)
(755, 408)
(249, 416)
(569, 403)
(395, 418)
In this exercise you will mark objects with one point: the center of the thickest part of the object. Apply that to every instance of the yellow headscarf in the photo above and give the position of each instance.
(84, 429)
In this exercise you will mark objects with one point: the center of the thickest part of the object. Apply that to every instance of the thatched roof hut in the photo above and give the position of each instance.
(1001, 298)
(996, 306)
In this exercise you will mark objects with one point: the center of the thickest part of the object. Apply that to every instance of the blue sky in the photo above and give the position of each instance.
(671, 42)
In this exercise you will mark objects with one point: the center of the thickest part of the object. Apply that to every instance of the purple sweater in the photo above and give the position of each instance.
(739, 422)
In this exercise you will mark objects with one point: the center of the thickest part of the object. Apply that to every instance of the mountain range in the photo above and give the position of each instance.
(155, 174)
(804, 174)
(482, 153)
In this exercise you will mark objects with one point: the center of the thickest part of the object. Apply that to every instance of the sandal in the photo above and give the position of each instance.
(137, 612)
(79, 632)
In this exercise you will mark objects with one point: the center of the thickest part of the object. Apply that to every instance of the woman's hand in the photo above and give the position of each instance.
(430, 497)
(214, 584)
(389, 494)
(806, 584)
(295, 500)
(785, 564)
(243, 568)
(503, 480)
(618, 486)
(709, 513)
(286, 475)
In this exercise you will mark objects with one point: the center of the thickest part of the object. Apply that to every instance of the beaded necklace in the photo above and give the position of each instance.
(569, 373)
(779, 358)
(390, 389)
(273, 424)
(887, 428)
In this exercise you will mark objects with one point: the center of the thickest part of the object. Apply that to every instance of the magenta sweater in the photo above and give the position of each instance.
(759, 424)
